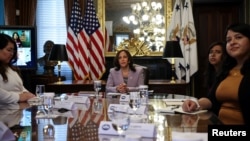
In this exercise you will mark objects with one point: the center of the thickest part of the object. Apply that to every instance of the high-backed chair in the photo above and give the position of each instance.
(145, 73)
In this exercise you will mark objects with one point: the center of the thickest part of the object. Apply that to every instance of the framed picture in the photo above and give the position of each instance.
(120, 37)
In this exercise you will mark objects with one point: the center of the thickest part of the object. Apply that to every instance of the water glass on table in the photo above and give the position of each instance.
(135, 101)
(120, 120)
(143, 90)
(40, 89)
(97, 87)
(49, 102)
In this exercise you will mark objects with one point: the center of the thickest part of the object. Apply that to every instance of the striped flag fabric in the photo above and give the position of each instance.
(77, 51)
(189, 42)
(174, 33)
(93, 40)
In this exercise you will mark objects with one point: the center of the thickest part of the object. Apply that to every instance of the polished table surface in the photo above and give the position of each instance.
(81, 125)
(159, 86)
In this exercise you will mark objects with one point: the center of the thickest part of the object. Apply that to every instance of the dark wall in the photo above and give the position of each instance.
(26, 75)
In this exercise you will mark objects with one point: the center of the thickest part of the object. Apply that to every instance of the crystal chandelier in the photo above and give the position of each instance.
(150, 23)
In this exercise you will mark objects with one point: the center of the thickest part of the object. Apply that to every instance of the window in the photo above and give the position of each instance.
(51, 25)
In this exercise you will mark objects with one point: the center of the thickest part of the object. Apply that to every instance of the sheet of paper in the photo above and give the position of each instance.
(188, 136)
(179, 110)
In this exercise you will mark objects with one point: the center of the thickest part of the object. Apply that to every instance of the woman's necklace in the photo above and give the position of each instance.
(235, 72)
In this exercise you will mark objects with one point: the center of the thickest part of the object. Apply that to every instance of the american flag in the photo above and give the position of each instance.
(76, 49)
(93, 40)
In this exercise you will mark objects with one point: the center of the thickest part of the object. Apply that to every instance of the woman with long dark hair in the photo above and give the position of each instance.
(230, 94)
(124, 77)
(11, 84)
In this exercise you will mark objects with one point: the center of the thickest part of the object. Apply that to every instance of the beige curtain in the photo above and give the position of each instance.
(27, 12)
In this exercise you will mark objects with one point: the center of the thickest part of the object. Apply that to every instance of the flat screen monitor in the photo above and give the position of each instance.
(25, 38)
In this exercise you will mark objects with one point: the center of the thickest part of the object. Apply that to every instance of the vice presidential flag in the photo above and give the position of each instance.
(174, 33)
(188, 41)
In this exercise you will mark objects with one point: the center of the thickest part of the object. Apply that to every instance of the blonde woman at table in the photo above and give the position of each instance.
(11, 84)
(125, 76)
(230, 94)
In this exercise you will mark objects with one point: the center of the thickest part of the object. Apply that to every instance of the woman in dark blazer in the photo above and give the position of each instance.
(124, 77)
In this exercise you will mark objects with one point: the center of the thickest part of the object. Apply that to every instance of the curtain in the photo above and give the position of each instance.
(10, 12)
(27, 12)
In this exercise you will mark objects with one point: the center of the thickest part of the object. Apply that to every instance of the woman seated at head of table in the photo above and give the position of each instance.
(11, 84)
(125, 76)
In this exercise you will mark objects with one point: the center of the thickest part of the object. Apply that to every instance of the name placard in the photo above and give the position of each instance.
(117, 106)
(69, 105)
(143, 129)
(140, 111)
(124, 98)
(78, 99)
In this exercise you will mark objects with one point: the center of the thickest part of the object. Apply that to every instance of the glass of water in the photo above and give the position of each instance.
(135, 101)
(49, 102)
(97, 87)
(120, 120)
(143, 89)
(40, 89)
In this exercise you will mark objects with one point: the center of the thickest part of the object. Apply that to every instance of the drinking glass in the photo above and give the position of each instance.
(48, 130)
(40, 89)
(120, 120)
(48, 102)
(98, 107)
(97, 87)
(143, 89)
(135, 101)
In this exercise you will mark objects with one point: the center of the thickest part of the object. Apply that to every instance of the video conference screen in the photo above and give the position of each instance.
(25, 38)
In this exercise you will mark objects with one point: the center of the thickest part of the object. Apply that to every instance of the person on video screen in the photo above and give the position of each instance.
(16, 38)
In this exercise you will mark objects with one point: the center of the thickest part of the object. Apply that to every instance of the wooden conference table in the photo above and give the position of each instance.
(159, 86)
(82, 125)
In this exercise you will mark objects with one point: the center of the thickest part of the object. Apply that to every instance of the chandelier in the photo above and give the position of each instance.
(150, 23)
